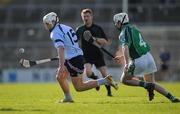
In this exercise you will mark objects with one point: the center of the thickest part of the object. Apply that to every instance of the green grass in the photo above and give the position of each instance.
(43, 98)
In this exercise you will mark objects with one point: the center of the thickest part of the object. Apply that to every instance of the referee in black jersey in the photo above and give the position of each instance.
(92, 54)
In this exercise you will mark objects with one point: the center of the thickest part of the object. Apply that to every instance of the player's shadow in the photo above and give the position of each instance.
(9, 109)
(123, 102)
(19, 110)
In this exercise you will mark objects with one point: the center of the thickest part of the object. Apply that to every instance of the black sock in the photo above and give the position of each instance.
(170, 97)
(108, 88)
(142, 84)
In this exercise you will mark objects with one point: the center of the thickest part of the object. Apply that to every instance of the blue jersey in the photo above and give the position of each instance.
(65, 36)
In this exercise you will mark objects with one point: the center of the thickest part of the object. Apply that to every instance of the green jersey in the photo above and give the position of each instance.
(132, 37)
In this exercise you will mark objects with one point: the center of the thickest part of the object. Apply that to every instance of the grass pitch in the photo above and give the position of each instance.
(43, 98)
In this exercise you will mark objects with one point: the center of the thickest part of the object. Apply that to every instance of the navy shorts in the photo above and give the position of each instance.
(75, 65)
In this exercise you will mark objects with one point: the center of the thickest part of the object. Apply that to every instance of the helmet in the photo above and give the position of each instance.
(50, 18)
(122, 17)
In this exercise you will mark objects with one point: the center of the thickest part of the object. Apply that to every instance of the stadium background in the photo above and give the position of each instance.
(21, 27)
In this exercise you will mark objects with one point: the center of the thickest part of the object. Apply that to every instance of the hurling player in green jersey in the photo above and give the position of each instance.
(134, 54)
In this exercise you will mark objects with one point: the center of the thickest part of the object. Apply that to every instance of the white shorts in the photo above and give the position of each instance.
(143, 65)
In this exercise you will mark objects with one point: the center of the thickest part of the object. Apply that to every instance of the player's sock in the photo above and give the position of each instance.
(142, 84)
(108, 88)
(93, 76)
(170, 97)
(146, 85)
(150, 88)
(67, 96)
(102, 81)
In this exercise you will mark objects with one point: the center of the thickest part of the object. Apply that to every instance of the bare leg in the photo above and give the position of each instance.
(149, 78)
(88, 67)
(82, 86)
(90, 73)
(64, 85)
(158, 88)
(129, 80)
(104, 73)
(79, 85)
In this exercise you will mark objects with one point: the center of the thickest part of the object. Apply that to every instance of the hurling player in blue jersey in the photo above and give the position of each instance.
(70, 58)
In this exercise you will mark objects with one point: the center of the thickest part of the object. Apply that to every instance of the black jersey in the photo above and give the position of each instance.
(89, 49)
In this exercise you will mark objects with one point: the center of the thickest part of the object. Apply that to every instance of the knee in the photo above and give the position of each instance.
(78, 88)
(123, 80)
(88, 72)
(59, 77)
(149, 78)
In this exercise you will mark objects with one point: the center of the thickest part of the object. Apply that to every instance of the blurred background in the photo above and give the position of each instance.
(21, 27)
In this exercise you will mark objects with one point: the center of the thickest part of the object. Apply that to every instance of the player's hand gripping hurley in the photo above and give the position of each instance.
(88, 37)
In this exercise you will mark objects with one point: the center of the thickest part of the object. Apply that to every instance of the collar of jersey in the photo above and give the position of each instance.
(124, 25)
(53, 27)
(90, 26)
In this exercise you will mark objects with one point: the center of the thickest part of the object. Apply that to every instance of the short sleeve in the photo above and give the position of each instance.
(79, 32)
(58, 39)
(103, 35)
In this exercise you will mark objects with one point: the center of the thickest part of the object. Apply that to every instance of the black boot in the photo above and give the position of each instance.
(150, 88)
(172, 98)
(176, 100)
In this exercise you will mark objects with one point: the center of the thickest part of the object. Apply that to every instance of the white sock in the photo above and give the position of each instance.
(102, 81)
